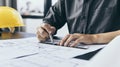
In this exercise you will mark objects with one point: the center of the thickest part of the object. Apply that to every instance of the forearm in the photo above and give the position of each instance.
(77, 38)
(106, 37)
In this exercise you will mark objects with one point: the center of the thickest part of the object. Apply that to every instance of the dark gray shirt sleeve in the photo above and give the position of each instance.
(85, 16)
(56, 15)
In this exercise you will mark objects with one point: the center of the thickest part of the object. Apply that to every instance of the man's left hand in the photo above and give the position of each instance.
(73, 39)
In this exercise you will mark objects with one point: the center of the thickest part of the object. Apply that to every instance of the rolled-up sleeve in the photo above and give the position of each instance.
(56, 15)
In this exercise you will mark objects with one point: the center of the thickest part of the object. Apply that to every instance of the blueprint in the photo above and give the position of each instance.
(28, 52)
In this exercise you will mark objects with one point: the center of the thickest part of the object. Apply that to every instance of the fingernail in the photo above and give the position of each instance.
(60, 44)
(65, 44)
(50, 32)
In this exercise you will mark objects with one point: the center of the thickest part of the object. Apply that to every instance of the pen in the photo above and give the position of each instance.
(50, 36)
(51, 39)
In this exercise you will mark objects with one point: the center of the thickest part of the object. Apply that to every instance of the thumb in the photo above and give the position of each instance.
(52, 30)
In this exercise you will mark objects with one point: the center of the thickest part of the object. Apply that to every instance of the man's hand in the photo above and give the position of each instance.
(73, 39)
(44, 30)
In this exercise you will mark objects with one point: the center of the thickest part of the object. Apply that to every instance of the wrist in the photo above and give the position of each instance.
(100, 39)
(95, 38)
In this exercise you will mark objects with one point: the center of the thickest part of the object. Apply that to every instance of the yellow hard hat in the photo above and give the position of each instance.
(10, 17)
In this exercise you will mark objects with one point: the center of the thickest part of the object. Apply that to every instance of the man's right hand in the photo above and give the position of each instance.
(44, 30)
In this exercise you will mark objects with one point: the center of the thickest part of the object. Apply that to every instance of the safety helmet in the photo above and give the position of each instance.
(10, 17)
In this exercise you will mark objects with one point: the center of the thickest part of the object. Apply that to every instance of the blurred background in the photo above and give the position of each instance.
(32, 12)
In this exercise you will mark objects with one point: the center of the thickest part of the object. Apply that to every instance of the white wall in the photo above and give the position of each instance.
(31, 25)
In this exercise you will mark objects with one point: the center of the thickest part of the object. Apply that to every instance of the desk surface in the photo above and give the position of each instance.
(16, 35)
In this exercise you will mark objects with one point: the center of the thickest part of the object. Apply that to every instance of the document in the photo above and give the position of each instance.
(43, 61)
(15, 48)
(28, 52)
(108, 56)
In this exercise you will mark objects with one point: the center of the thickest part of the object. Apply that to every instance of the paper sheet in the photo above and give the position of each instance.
(14, 48)
(28, 50)
(43, 61)
(107, 57)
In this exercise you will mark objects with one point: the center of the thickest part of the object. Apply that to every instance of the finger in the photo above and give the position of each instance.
(76, 42)
(53, 29)
(48, 28)
(68, 41)
(58, 43)
(40, 38)
(64, 39)
(43, 33)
